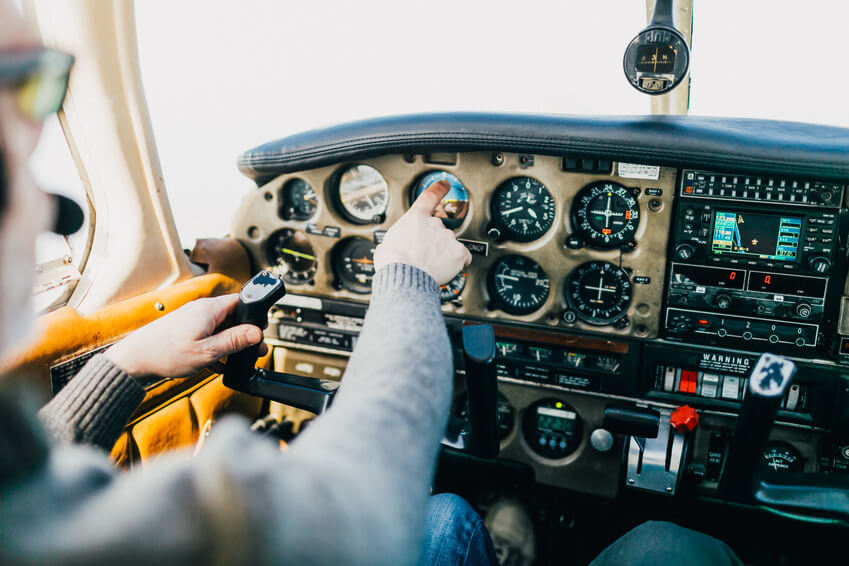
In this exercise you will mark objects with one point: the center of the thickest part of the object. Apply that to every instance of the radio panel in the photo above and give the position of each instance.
(753, 274)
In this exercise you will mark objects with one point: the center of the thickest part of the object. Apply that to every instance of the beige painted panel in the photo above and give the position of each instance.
(257, 219)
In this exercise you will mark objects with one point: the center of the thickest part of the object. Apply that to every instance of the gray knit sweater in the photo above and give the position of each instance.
(352, 489)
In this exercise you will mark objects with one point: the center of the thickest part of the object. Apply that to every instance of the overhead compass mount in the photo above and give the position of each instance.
(656, 61)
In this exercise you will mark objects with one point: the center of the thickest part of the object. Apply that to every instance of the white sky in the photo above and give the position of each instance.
(224, 76)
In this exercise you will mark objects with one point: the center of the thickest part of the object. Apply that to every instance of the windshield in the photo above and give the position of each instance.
(223, 77)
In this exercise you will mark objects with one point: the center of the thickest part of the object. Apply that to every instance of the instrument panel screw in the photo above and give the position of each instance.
(669, 489)
(269, 196)
(845, 452)
(497, 159)
(159, 306)
(67, 260)
(655, 204)
(409, 157)
(631, 482)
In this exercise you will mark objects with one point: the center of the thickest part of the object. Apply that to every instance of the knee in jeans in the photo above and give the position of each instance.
(451, 511)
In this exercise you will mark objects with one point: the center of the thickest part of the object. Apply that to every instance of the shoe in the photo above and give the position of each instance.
(512, 532)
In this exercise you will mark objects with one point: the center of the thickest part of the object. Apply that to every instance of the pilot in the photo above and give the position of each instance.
(352, 489)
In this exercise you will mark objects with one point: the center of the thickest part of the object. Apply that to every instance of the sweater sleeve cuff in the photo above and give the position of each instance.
(402, 276)
(95, 406)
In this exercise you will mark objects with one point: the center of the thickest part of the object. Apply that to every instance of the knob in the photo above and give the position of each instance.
(722, 301)
(601, 439)
(684, 419)
(803, 310)
(825, 196)
(747, 335)
(820, 264)
(800, 341)
(722, 333)
(494, 234)
(685, 251)
(773, 339)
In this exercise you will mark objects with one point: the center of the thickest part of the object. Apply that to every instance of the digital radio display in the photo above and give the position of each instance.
(782, 284)
(763, 236)
(708, 276)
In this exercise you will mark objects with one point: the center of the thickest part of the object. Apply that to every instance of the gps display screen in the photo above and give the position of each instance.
(762, 236)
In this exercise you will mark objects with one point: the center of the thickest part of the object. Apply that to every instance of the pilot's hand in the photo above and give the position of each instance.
(421, 240)
(185, 341)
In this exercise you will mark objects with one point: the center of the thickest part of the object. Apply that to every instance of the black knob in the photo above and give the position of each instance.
(820, 264)
(803, 310)
(684, 251)
(825, 196)
(722, 301)
(494, 234)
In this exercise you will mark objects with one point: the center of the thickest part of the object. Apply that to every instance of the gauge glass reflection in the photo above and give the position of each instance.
(363, 194)
(454, 206)
(291, 256)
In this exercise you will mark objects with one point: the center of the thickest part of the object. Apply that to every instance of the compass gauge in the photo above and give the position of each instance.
(605, 214)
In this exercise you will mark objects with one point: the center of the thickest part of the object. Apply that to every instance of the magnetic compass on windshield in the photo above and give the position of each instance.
(518, 285)
(522, 210)
(291, 256)
(454, 206)
(353, 264)
(605, 215)
(598, 292)
(362, 194)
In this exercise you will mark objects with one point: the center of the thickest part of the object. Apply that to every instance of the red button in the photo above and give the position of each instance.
(689, 381)
(684, 419)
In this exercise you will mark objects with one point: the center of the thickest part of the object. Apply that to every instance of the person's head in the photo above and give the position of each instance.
(25, 210)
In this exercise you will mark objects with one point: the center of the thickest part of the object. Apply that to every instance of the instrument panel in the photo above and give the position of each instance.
(553, 245)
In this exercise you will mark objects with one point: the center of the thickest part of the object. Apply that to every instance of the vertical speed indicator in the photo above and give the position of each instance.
(518, 285)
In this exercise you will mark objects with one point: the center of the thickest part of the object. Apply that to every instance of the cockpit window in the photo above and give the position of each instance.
(59, 258)
(230, 76)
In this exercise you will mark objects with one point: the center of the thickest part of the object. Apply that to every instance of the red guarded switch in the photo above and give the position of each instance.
(684, 419)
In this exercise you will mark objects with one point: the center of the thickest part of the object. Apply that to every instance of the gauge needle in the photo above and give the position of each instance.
(364, 260)
(531, 213)
(510, 277)
(298, 254)
(512, 210)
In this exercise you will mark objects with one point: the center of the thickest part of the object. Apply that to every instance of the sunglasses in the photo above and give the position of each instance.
(39, 78)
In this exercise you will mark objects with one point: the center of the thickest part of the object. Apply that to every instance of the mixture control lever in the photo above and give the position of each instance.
(255, 299)
(767, 386)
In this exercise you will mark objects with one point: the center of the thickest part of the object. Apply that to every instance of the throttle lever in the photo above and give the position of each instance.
(256, 297)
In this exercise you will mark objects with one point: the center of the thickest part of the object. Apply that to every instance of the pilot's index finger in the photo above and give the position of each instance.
(428, 200)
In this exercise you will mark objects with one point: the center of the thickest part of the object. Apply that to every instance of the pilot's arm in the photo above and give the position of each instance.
(351, 490)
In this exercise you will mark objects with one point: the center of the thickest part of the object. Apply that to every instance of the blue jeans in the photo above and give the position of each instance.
(455, 534)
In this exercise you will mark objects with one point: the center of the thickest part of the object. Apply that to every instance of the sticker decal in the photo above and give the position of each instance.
(637, 171)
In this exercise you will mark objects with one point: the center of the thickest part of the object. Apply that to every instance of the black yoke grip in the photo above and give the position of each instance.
(255, 299)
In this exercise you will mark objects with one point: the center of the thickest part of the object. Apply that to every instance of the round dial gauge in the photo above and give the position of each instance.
(362, 195)
(599, 292)
(454, 288)
(291, 256)
(298, 200)
(522, 209)
(656, 60)
(518, 285)
(606, 214)
(454, 206)
(782, 458)
(353, 264)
